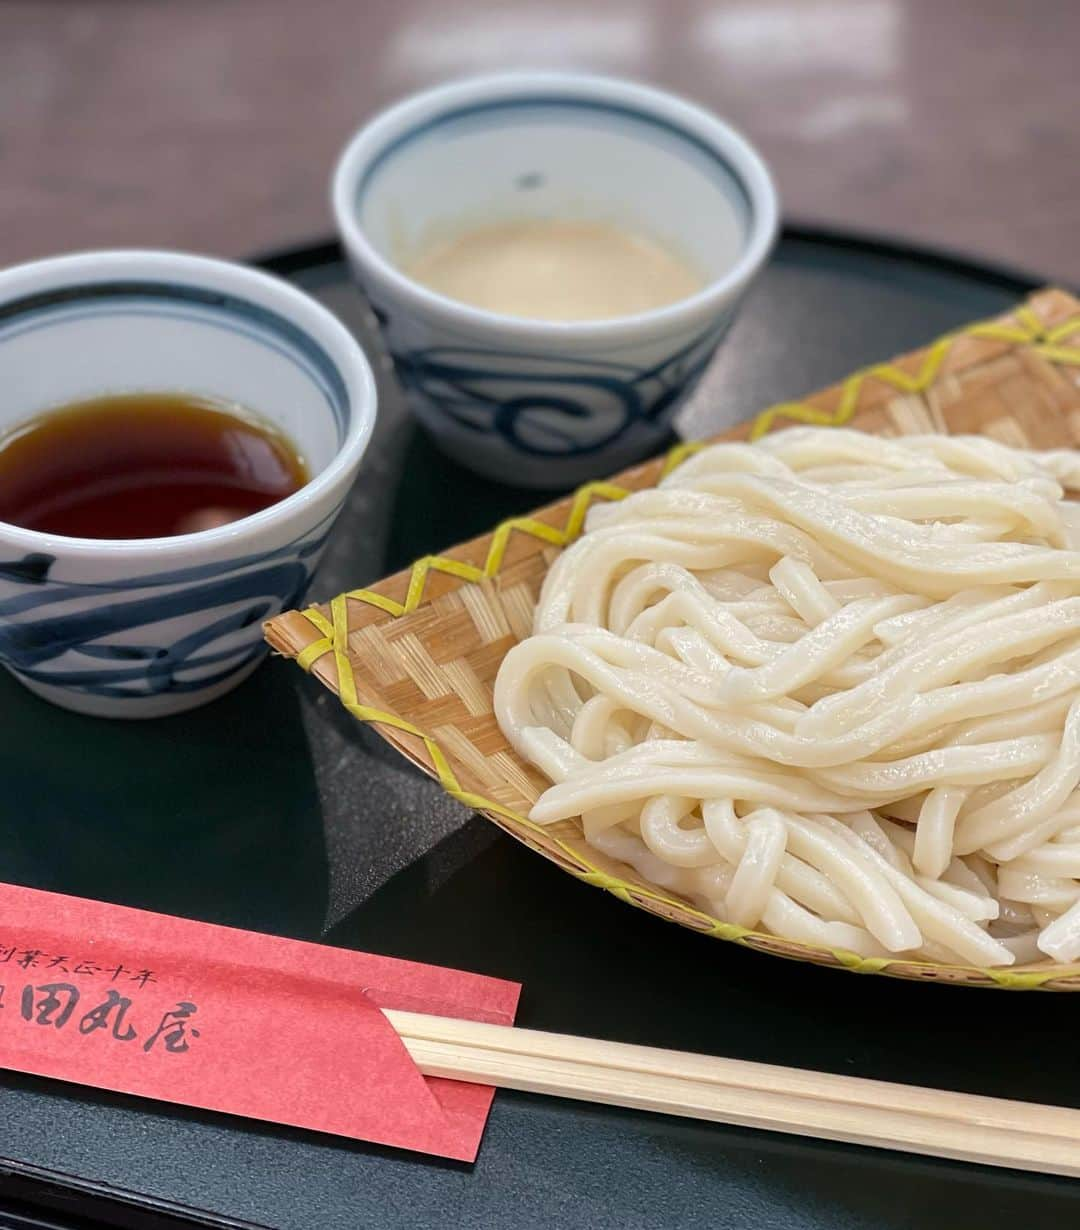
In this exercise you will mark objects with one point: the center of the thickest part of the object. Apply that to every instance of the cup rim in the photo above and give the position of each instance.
(748, 167)
(230, 277)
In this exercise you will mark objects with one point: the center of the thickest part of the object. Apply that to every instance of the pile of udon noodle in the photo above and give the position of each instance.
(827, 686)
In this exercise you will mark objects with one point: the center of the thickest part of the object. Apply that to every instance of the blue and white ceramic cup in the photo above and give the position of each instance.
(145, 627)
(540, 403)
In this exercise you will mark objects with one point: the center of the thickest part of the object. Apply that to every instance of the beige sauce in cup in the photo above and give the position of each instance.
(555, 270)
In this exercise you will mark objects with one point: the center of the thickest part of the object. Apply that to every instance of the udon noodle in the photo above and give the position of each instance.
(826, 686)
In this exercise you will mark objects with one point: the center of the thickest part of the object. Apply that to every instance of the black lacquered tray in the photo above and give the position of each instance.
(285, 815)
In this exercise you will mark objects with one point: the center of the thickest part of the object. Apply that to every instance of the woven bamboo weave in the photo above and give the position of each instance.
(416, 654)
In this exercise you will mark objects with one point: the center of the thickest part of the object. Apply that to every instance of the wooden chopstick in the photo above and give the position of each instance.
(962, 1126)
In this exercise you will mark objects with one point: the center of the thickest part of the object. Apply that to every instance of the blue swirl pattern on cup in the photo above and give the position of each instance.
(552, 406)
(99, 639)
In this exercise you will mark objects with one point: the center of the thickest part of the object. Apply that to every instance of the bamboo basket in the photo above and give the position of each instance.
(416, 655)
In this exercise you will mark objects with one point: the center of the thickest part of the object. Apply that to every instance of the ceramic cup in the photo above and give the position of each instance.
(539, 403)
(145, 627)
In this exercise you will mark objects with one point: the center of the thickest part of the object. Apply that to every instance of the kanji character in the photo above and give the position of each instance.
(174, 1028)
(98, 1018)
(49, 1002)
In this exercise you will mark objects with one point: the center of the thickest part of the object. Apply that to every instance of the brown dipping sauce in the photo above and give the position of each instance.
(143, 465)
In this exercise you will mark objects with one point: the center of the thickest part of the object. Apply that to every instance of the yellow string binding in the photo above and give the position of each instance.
(1028, 330)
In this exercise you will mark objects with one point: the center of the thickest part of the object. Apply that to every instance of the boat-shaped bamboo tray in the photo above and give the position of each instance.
(416, 654)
